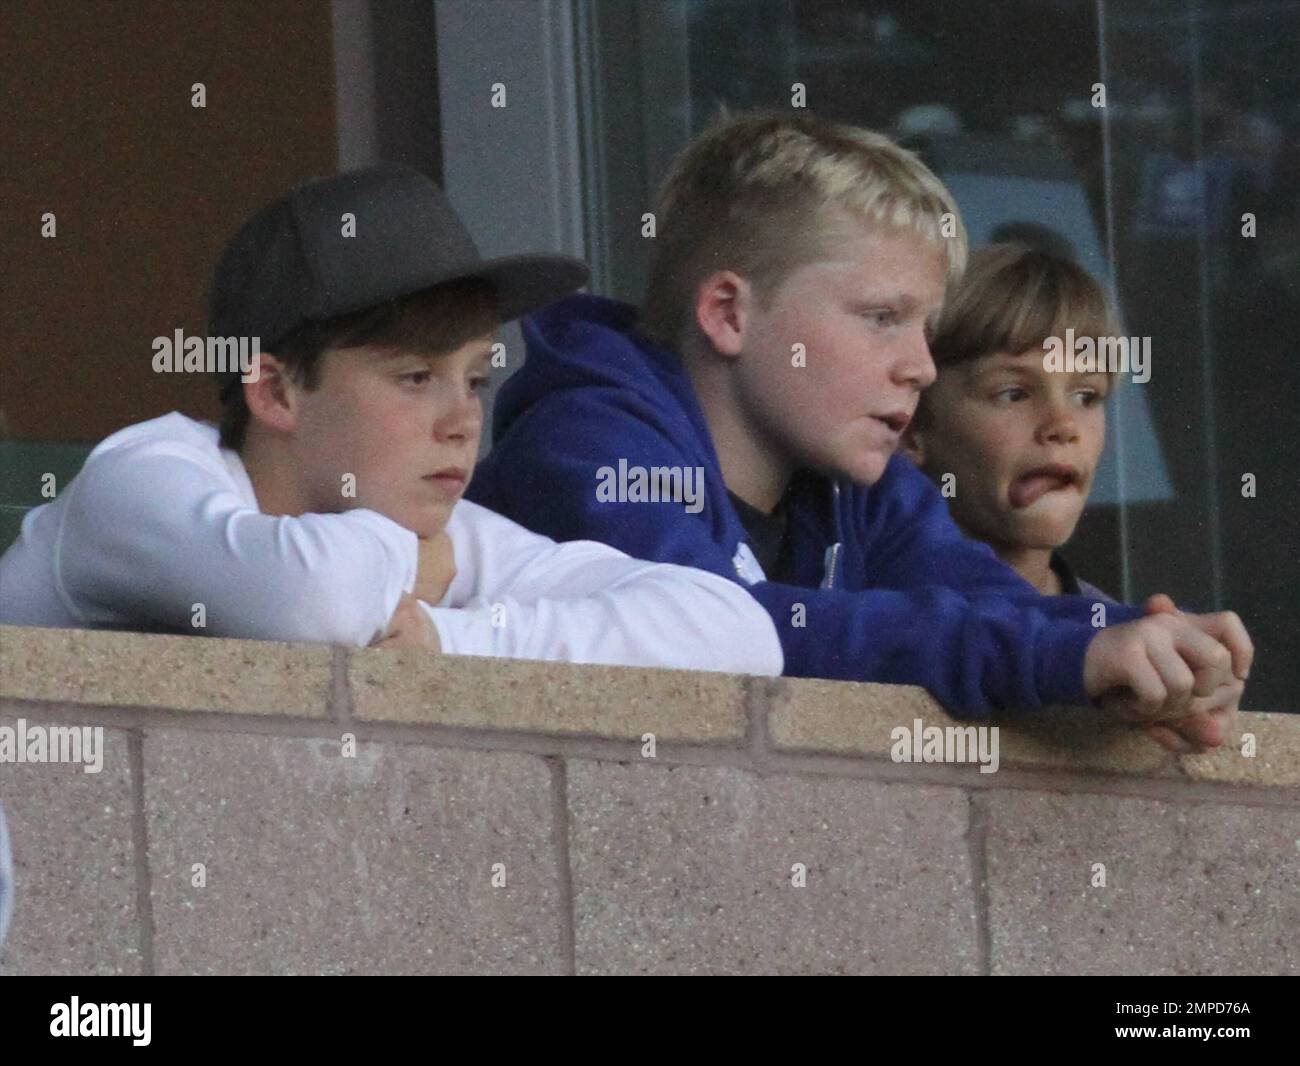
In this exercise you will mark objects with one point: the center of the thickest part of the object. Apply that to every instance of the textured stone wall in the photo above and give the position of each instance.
(770, 831)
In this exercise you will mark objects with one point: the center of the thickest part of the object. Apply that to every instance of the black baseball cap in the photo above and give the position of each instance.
(290, 263)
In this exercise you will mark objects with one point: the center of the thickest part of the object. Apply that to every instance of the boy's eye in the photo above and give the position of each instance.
(419, 378)
(882, 317)
(1095, 394)
(1010, 394)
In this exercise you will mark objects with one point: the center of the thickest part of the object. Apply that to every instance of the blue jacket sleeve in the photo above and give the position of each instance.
(974, 655)
(973, 652)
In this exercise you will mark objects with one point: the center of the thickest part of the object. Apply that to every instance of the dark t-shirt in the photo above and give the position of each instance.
(1070, 583)
(1065, 573)
(768, 536)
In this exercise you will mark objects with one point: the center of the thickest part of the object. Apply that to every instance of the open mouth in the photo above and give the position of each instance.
(1033, 485)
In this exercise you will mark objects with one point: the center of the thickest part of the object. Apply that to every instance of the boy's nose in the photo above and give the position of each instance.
(915, 365)
(463, 421)
(1059, 425)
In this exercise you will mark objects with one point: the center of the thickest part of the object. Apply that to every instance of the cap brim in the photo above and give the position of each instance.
(526, 283)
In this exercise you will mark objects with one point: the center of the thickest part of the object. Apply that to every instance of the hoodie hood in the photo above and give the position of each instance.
(588, 342)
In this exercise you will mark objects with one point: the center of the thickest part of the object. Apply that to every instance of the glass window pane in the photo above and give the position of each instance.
(1141, 136)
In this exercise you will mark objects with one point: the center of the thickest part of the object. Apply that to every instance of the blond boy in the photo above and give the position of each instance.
(799, 266)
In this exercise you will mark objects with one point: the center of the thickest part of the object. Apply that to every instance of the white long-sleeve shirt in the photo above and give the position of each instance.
(161, 519)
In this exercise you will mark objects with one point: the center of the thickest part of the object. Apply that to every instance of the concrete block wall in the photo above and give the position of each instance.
(503, 817)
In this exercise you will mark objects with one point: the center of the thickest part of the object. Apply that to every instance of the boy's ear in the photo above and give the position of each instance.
(722, 307)
(272, 396)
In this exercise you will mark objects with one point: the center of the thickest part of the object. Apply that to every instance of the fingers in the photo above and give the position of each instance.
(1167, 665)
(409, 637)
(1227, 698)
(398, 640)
(1204, 730)
(1160, 604)
(1145, 692)
(1138, 673)
(1169, 739)
(1224, 626)
(1227, 628)
(1208, 726)
(436, 567)
(410, 627)
(1198, 661)
(1195, 734)
(1212, 719)
(1209, 659)
(405, 617)
(1178, 679)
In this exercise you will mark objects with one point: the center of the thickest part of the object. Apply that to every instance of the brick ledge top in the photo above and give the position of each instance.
(244, 677)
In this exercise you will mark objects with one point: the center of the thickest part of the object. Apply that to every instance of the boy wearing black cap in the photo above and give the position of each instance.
(327, 506)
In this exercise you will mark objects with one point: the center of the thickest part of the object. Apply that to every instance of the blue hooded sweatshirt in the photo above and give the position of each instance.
(887, 587)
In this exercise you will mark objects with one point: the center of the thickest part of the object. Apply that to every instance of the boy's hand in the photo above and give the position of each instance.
(437, 567)
(1194, 735)
(1225, 627)
(410, 627)
(1157, 667)
(1208, 725)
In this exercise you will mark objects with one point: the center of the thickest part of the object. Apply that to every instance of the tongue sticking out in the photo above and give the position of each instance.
(1027, 490)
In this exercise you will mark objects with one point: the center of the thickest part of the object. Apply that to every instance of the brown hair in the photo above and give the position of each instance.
(762, 194)
(1012, 298)
(434, 321)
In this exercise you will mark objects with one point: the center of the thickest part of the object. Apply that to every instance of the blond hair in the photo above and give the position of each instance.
(764, 194)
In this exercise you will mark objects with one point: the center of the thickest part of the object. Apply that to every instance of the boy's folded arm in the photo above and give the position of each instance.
(587, 602)
(654, 619)
(996, 644)
(974, 655)
(150, 533)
